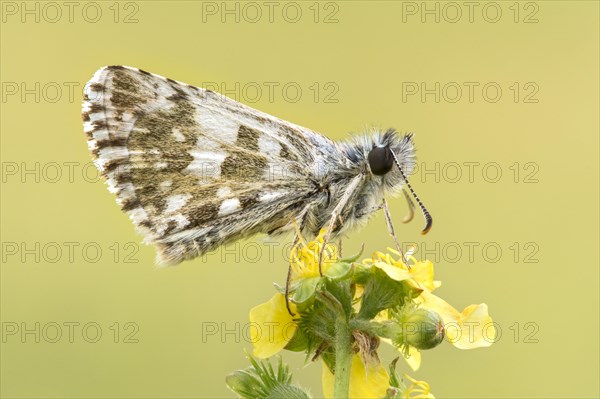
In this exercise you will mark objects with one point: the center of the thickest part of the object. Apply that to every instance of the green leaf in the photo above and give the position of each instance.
(246, 384)
(262, 381)
(288, 392)
(397, 388)
(394, 381)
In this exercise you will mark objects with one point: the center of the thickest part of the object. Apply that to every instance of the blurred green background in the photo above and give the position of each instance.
(508, 170)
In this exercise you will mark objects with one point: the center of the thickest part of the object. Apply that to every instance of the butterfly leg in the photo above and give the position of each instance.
(335, 214)
(295, 242)
(390, 226)
(288, 279)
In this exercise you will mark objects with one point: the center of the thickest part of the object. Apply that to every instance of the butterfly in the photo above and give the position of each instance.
(195, 170)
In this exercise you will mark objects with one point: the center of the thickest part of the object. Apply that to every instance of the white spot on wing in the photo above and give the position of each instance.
(110, 154)
(268, 145)
(181, 220)
(229, 206)
(270, 196)
(176, 202)
(101, 134)
(206, 164)
(165, 185)
(206, 143)
(224, 192)
(91, 145)
(214, 124)
(178, 135)
(88, 126)
(138, 215)
(96, 116)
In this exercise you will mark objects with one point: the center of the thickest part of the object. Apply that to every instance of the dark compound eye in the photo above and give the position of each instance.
(380, 160)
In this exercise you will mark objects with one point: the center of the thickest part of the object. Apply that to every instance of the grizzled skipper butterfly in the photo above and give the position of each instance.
(195, 170)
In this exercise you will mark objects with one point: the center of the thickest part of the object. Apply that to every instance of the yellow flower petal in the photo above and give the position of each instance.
(441, 307)
(414, 355)
(477, 328)
(271, 327)
(414, 358)
(469, 329)
(422, 273)
(370, 382)
(394, 272)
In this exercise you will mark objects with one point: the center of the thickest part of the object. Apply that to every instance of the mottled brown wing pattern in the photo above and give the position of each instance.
(192, 168)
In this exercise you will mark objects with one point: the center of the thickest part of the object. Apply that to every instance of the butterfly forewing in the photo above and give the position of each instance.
(192, 168)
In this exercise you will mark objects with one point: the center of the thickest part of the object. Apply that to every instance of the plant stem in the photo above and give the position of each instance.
(343, 358)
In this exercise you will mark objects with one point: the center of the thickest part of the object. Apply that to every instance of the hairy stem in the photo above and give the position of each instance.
(343, 358)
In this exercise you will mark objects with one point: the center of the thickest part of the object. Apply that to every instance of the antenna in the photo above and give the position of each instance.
(426, 215)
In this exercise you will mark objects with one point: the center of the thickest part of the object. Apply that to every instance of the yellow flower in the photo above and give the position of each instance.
(469, 329)
(271, 326)
(304, 258)
(371, 381)
(417, 389)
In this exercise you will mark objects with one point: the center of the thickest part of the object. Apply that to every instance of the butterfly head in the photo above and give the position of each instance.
(390, 155)
(392, 158)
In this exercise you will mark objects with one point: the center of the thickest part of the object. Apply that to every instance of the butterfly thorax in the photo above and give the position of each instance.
(351, 162)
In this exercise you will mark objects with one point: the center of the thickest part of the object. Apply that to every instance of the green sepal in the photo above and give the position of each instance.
(361, 273)
(338, 271)
(381, 292)
(281, 289)
(342, 291)
(299, 342)
(354, 258)
(328, 357)
(305, 290)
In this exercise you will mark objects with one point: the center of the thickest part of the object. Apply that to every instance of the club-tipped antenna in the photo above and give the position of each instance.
(426, 215)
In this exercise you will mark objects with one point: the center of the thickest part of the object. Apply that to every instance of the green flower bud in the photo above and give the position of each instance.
(421, 328)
